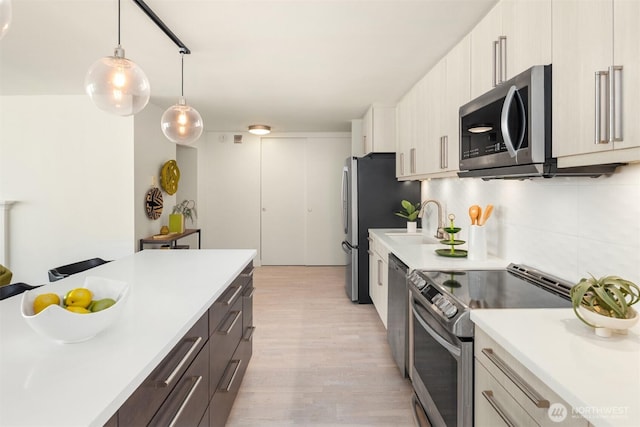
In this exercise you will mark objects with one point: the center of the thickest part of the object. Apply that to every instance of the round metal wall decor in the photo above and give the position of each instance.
(169, 177)
(153, 203)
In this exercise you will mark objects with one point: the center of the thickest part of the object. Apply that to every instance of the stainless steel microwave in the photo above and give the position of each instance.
(506, 133)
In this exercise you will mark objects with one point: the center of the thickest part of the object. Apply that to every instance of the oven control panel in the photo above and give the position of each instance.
(440, 302)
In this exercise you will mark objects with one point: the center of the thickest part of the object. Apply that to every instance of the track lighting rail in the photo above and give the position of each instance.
(151, 14)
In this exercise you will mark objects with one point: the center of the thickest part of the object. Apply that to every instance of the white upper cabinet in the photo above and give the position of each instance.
(512, 37)
(379, 130)
(596, 64)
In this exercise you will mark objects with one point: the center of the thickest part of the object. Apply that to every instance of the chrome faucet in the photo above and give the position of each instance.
(440, 231)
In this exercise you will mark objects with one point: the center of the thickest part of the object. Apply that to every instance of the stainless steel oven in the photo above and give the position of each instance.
(441, 331)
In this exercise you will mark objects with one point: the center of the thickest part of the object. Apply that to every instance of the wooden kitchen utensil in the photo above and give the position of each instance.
(474, 214)
(487, 214)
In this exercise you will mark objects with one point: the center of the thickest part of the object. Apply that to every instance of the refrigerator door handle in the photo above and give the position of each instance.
(344, 193)
(348, 247)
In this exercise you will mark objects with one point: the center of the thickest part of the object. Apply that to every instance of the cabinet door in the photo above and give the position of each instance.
(458, 93)
(367, 131)
(582, 43)
(626, 52)
(373, 276)
(483, 37)
(527, 27)
(402, 137)
(433, 98)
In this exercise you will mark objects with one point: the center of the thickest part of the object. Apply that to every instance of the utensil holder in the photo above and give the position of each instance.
(477, 243)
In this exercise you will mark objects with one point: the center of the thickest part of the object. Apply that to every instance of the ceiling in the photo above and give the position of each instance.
(297, 65)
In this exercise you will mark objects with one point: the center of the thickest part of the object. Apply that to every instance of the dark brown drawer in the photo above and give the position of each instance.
(145, 401)
(227, 389)
(189, 399)
(222, 306)
(224, 341)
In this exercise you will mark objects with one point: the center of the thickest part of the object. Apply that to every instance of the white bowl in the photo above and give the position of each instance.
(605, 326)
(61, 325)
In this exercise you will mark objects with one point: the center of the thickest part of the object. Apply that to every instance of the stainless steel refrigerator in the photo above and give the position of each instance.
(370, 196)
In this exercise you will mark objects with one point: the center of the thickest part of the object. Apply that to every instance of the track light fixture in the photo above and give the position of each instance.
(116, 84)
(181, 123)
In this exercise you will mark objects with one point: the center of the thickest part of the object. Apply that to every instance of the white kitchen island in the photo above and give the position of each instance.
(43, 383)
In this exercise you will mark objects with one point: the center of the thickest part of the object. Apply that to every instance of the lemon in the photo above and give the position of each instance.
(78, 297)
(43, 301)
(79, 310)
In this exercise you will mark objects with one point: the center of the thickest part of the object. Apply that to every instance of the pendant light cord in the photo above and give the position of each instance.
(118, 23)
(182, 75)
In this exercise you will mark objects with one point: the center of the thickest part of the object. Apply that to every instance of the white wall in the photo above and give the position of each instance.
(568, 227)
(70, 168)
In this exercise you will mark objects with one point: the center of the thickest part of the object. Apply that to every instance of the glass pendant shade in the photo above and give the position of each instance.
(117, 85)
(181, 123)
(5, 17)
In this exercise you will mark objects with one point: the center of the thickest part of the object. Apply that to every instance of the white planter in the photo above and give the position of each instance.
(606, 326)
(412, 226)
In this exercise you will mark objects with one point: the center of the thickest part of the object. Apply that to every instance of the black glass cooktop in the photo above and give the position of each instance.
(499, 289)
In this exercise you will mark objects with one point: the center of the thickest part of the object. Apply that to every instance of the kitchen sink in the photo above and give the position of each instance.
(412, 238)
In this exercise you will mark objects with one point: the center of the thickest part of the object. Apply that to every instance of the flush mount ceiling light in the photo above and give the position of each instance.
(480, 128)
(259, 129)
(181, 123)
(5, 17)
(116, 84)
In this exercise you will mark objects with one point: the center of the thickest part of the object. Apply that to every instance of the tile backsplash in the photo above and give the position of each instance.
(568, 227)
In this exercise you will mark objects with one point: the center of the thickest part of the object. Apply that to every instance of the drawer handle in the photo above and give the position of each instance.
(233, 374)
(248, 333)
(172, 375)
(185, 402)
(233, 322)
(232, 299)
(534, 396)
(488, 394)
(249, 274)
(249, 293)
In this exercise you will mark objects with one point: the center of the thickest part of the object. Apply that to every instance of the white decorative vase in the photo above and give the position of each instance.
(412, 226)
(606, 326)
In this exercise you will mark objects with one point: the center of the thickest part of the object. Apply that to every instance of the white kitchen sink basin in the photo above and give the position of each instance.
(412, 238)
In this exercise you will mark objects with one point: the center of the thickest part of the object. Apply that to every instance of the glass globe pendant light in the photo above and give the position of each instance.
(116, 84)
(5, 17)
(181, 123)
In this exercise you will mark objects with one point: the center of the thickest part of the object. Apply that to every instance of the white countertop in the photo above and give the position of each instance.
(423, 256)
(589, 372)
(43, 383)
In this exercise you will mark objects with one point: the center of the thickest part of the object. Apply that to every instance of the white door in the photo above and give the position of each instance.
(324, 232)
(301, 217)
(283, 216)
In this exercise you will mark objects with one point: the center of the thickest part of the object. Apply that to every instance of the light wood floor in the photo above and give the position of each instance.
(318, 359)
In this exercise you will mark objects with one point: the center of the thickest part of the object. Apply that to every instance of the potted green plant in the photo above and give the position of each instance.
(183, 210)
(605, 303)
(410, 212)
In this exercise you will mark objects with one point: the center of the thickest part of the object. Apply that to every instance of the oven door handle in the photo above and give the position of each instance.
(455, 351)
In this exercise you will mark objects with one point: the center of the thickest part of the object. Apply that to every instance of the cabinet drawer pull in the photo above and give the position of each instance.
(379, 272)
(615, 103)
(488, 394)
(401, 164)
(232, 376)
(233, 296)
(185, 402)
(167, 381)
(248, 333)
(369, 252)
(249, 274)
(494, 75)
(533, 395)
(602, 124)
(502, 61)
(249, 293)
(233, 322)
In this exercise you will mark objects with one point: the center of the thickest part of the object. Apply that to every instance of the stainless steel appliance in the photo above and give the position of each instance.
(442, 332)
(370, 196)
(398, 313)
(506, 132)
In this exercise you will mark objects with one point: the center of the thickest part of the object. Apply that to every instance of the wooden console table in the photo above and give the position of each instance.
(170, 238)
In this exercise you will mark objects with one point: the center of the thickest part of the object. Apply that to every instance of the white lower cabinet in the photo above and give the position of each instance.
(379, 277)
(508, 394)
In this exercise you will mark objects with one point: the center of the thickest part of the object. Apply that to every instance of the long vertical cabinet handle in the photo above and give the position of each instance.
(615, 103)
(488, 394)
(401, 164)
(494, 74)
(502, 59)
(602, 119)
(379, 272)
(444, 152)
(412, 161)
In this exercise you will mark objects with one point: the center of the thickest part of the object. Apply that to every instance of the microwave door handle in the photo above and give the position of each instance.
(504, 121)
